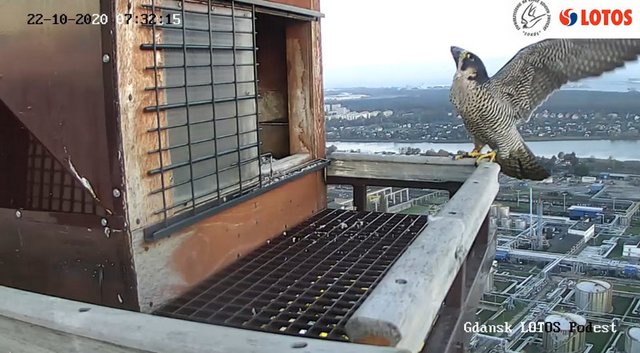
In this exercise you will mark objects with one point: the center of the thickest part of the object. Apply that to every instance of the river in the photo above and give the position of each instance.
(622, 150)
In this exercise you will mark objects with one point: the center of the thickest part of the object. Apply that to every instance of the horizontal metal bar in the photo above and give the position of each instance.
(194, 29)
(388, 315)
(162, 46)
(199, 122)
(207, 84)
(188, 11)
(261, 4)
(221, 170)
(315, 15)
(162, 230)
(164, 67)
(196, 103)
(450, 186)
(201, 159)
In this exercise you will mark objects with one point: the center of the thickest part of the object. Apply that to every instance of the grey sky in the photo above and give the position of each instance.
(406, 42)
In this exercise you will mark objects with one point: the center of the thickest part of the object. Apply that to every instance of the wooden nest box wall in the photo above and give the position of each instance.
(143, 153)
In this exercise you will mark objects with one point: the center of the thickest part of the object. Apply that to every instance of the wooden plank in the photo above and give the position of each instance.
(77, 327)
(397, 167)
(448, 328)
(419, 281)
(286, 164)
(317, 88)
(21, 337)
(306, 112)
(137, 141)
(170, 266)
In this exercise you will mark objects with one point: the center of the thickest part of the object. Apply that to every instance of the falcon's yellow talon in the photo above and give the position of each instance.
(473, 154)
(491, 156)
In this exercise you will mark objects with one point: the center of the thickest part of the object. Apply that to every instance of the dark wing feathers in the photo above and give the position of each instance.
(539, 69)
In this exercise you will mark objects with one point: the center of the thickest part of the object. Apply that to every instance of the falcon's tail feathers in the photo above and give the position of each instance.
(522, 164)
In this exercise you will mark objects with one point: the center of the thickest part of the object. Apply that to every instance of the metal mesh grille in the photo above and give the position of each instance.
(51, 187)
(204, 67)
(307, 282)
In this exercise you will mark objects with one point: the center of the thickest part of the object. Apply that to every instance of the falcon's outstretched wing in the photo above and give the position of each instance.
(539, 69)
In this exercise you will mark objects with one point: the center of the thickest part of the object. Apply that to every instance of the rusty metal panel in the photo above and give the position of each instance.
(62, 229)
(81, 262)
(305, 4)
(51, 79)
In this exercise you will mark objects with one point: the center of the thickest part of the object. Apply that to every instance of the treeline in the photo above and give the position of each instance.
(433, 104)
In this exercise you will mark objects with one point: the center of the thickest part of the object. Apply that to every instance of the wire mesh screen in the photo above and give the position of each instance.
(204, 66)
(307, 282)
(51, 187)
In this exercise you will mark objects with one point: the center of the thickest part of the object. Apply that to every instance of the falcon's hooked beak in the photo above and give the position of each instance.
(456, 52)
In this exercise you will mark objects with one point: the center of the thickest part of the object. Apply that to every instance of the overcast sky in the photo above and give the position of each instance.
(406, 42)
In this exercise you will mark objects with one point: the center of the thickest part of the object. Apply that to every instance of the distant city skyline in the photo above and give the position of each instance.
(367, 43)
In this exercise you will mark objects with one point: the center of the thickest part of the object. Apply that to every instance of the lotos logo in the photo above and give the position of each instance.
(568, 17)
(596, 17)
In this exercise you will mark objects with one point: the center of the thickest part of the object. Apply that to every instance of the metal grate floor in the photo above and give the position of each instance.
(306, 282)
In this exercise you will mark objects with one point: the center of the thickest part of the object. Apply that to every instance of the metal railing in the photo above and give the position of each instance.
(433, 287)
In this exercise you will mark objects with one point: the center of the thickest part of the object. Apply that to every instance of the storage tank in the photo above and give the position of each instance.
(493, 211)
(503, 212)
(489, 285)
(632, 340)
(564, 341)
(521, 224)
(594, 295)
(505, 222)
(493, 222)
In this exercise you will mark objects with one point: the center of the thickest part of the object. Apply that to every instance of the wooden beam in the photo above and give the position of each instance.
(306, 100)
(282, 166)
(400, 311)
(77, 327)
(397, 167)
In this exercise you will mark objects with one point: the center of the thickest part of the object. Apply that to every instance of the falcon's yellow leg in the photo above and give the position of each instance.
(491, 156)
(473, 154)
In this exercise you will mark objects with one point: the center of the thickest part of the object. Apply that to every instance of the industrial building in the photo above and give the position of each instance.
(583, 229)
(564, 340)
(594, 295)
(631, 250)
(580, 212)
(595, 188)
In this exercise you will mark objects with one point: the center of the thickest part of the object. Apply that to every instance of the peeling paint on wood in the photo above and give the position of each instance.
(137, 141)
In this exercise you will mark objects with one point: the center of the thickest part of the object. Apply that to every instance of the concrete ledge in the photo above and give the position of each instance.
(401, 310)
(34, 323)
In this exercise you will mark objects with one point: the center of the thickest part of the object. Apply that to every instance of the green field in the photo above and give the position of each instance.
(633, 230)
(621, 304)
(599, 341)
(598, 241)
(625, 288)
(500, 286)
(508, 315)
(616, 253)
(484, 315)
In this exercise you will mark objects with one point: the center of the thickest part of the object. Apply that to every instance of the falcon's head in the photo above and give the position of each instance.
(469, 66)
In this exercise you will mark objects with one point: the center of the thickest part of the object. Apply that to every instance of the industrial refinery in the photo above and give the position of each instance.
(566, 252)
(559, 272)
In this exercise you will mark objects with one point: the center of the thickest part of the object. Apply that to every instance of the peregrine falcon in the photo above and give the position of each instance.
(493, 107)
